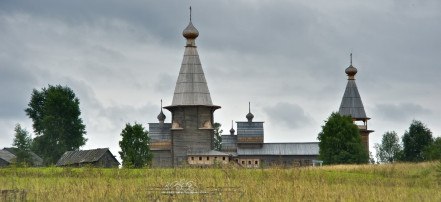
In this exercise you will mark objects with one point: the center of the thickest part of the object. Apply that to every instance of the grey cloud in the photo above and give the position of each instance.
(15, 90)
(114, 54)
(165, 84)
(289, 115)
(400, 112)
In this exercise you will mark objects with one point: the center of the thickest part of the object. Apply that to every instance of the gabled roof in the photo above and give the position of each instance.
(351, 103)
(191, 86)
(83, 156)
(38, 161)
(6, 155)
(207, 153)
(293, 149)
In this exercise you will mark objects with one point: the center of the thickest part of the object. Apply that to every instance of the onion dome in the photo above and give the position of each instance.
(249, 116)
(161, 117)
(232, 131)
(351, 71)
(190, 32)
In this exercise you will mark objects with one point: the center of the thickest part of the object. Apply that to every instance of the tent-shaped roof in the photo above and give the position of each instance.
(191, 86)
(84, 156)
(351, 104)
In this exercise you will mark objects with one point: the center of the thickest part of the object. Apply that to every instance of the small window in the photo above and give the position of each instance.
(255, 162)
(215, 157)
(243, 162)
(192, 158)
(249, 162)
(208, 158)
(200, 158)
(223, 158)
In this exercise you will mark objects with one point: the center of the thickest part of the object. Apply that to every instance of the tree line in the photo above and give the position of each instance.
(340, 143)
(58, 128)
(417, 145)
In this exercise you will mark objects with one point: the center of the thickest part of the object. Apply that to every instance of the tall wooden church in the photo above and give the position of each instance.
(352, 105)
(189, 138)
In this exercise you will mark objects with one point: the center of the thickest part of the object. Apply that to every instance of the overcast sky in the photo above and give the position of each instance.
(286, 57)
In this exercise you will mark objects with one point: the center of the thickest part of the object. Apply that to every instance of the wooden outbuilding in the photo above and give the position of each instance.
(101, 157)
(36, 160)
(6, 158)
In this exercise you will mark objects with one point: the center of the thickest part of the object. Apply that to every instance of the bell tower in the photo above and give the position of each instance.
(352, 105)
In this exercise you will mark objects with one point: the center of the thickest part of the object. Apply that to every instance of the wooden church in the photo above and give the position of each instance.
(189, 138)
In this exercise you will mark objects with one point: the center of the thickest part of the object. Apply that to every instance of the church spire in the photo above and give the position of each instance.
(191, 87)
(351, 103)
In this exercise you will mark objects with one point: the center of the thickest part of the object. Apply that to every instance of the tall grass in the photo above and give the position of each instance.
(390, 182)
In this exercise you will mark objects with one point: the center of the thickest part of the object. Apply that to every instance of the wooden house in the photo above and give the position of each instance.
(6, 158)
(36, 160)
(94, 157)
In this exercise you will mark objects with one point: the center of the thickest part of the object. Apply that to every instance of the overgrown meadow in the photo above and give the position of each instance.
(390, 182)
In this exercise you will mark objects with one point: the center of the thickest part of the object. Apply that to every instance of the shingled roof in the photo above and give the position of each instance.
(351, 104)
(274, 149)
(80, 157)
(37, 161)
(191, 86)
(6, 156)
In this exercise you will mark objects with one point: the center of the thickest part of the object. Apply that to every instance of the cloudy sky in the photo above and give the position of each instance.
(286, 57)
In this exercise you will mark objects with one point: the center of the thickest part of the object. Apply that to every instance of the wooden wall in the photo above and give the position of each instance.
(194, 134)
(162, 159)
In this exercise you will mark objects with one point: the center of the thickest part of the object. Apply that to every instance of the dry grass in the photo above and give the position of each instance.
(392, 182)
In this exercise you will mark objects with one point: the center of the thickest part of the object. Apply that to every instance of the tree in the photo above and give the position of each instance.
(414, 141)
(389, 150)
(340, 142)
(217, 136)
(433, 151)
(22, 141)
(55, 113)
(135, 149)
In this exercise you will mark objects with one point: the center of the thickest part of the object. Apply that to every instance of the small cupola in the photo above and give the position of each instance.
(190, 33)
(249, 116)
(351, 71)
(232, 131)
(161, 116)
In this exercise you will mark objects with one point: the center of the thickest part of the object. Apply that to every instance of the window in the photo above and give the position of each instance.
(192, 158)
(255, 162)
(215, 157)
(249, 162)
(208, 158)
(200, 158)
(243, 162)
(223, 158)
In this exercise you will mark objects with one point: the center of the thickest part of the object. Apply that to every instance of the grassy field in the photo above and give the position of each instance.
(392, 182)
